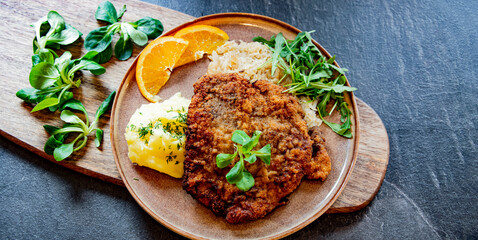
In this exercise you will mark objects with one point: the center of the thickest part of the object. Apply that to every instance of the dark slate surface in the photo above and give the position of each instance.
(414, 62)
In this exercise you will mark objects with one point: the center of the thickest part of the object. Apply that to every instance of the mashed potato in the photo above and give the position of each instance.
(252, 61)
(155, 135)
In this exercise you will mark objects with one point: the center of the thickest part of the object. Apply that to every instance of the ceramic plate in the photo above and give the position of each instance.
(163, 197)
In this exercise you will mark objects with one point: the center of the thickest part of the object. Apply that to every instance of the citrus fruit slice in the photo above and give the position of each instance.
(202, 39)
(156, 63)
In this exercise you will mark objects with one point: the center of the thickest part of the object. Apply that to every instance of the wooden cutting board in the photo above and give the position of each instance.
(25, 128)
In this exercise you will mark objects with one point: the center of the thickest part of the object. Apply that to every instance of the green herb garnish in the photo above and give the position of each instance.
(52, 79)
(100, 39)
(56, 145)
(238, 174)
(312, 75)
(51, 31)
(52, 76)
(175, 128)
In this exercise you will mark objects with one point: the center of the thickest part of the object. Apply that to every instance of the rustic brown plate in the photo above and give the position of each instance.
(163, 197)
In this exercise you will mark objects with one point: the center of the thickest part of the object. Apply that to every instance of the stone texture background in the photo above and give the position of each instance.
(415, 62)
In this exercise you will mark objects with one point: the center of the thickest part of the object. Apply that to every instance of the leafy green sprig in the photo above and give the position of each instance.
(238, 174)
(311, 75)
(56, 144)
(51, 32)
(100, 39)
(52, 79)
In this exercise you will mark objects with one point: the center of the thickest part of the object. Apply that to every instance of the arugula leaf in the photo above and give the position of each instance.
(270, 43)
(321, 106)
(311, 75)
(279, 42)
(106, 11)
(338, 88)
(342, 130)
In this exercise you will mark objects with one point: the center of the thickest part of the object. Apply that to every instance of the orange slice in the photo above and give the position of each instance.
(156, 63)
(202, 39)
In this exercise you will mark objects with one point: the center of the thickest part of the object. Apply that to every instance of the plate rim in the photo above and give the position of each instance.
(278, 235)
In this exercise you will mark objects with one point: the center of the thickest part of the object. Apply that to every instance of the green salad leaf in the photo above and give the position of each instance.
(51, 32)
(75, 128)
(238, 174)
(123, 47)
(311, 75)
(150, 26)
(51, 82)
(100, 39)
(107, 12)
(52, 76)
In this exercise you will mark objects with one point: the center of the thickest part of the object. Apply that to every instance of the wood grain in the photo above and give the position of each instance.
(371, 164)
(25, 128)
